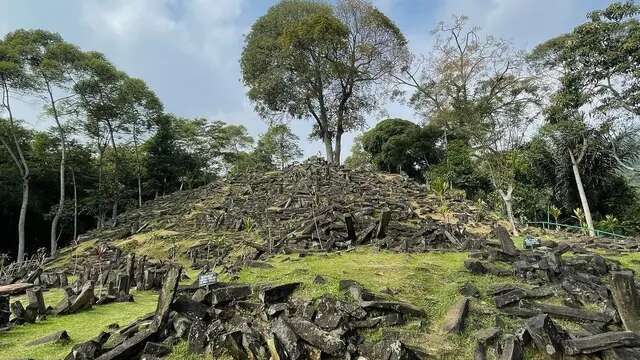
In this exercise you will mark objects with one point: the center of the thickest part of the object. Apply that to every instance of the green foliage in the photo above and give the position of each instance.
(397, 145)
(359, 157)
(278, 146)
(610, 224)
(311, 60)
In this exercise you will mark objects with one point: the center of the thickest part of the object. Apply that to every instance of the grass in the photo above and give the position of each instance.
(428, 280)
(81, 326)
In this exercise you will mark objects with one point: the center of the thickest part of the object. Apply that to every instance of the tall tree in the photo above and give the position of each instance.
(331, 63)
(466, 84)
(139, 109)
(13, 79)
(51, 63)
(398, 145)
(98, 90)
(280, 144)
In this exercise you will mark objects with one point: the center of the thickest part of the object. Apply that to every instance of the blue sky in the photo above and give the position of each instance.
(188, 50)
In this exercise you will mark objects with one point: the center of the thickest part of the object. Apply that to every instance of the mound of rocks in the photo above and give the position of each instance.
(257, 323)
(597, 294)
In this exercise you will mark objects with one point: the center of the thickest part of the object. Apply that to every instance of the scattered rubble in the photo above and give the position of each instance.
(230, 320)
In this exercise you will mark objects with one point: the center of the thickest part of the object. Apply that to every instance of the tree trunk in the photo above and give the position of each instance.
(507, 198)
(138, 167)
(75, 206)
(59, 210)
(23, 168)
(23, 217)
(338, 147)
(116, 161)
(583, 196)
(328, 146)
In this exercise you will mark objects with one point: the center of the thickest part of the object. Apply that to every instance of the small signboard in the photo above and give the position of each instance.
(206, 279)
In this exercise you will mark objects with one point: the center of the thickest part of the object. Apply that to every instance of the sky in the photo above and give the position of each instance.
(188, 51)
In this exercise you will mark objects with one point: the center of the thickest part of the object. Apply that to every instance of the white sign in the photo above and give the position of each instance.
(207, 279)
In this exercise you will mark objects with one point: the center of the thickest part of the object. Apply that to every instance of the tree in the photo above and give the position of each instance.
(467, 84)
(98, 90)
(307, 59)
(398, 145)
(14, 78)
(280, 145)
(50, 62)
(605, 52)
(170, 165)
(359, 157)
(568, 133)
(139, 109)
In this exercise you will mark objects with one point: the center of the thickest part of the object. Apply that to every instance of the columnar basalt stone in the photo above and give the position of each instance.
(383, 223)
(626, 298)
(64, 281)
(599, 342)
(454, 321)
(278, 293)
(139, 272)
(123, 284)
(131, 268)
(506, 243)
(85, 298)
(57, 337)
(167, 294)
(5, 311)
(512, 349)
(36, 300)
(351, 229)
(545, 335)
(230, 293)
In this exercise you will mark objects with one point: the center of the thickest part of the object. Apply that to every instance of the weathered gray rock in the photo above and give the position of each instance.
(475, 266)
(230, 293)
(5, 311)
(544, 334)
(506, 243)
(36, 300)
(129, 348)
(190, 308)
(510, 297)
(399, 307)
(454, 320)
(57, 337)
(390, 350)
(317, 337)
(596, 343)
(287, 338)
(469, 290)
(182, 325)
(167, 294)
(278, 293)
(198, 337)
(512, 349)
(84, 300)
(626, 298)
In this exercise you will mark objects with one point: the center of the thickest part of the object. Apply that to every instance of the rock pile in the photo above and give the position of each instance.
(595, 292)
(259, 323)
(304, 208)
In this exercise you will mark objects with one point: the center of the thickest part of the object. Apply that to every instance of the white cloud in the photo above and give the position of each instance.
(188, 50)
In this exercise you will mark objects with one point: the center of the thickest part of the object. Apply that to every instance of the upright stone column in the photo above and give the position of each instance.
(625, 296)
(36, 300)
(5, 311)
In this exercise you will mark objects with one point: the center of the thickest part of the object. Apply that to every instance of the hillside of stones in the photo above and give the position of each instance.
(305, 208)
(551, 296)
